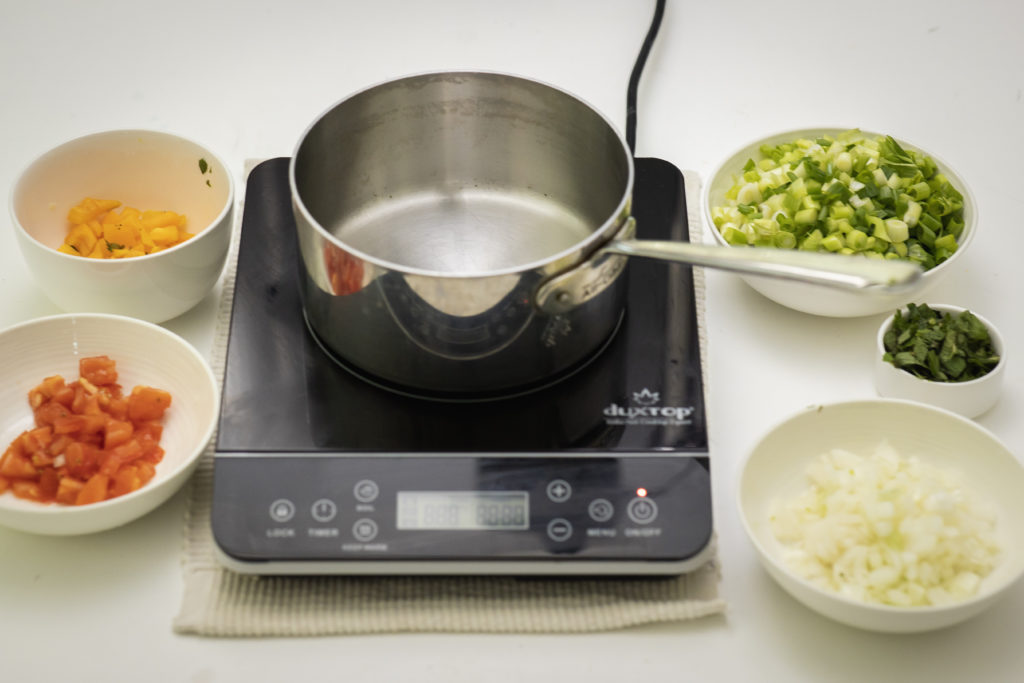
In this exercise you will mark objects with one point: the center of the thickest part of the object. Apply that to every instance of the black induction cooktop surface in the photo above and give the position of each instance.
(283, 393)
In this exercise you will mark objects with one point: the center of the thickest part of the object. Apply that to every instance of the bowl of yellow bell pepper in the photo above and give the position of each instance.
(129, 222)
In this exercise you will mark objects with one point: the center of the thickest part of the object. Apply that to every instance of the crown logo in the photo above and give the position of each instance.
(646, 397)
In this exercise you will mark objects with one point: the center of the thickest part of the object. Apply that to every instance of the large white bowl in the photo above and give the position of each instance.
(818, 299)
(970, 398)
(144, 169)
(145, 354)
(775, 470)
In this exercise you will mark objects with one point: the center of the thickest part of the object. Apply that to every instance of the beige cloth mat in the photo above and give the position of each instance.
(219, 602)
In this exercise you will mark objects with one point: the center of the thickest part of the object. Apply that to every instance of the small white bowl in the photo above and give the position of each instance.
(775, 470)
(146, 354)
(970, 398)
(144, 169)
(819, 299)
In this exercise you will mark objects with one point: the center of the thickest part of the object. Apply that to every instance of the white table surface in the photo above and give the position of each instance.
(247, 77)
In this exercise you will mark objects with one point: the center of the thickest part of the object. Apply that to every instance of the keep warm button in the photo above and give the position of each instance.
(642, 510)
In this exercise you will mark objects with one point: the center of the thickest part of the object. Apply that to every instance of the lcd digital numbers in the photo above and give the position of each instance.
(463, 510)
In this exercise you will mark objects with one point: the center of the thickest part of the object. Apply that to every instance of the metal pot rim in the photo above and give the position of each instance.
(578, 251)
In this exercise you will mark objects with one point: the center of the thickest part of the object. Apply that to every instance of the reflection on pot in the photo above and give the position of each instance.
(344, 271)
(458, 320)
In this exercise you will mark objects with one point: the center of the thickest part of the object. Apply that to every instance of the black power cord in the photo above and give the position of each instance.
(638, 69)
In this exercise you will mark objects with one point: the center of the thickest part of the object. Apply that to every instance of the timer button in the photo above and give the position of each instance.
(324, 510)
(282, 510)
(559, 490)
(366, 491)
(600, 510)
(642, 510)
(364, 530)
(559, 529)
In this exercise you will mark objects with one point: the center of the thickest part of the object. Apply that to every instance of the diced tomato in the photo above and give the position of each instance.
(14, 465)
(114, 459)
(37, 439)
(85, 403)
(49, 481)
(94, 491)
(116, 432)
(50, 411)
(99, 370)
(30, 490)
(147, 403)
(81, 425)
(128, 479)
(59, 444)
(146, 470)
(117, 407)
(90, 442)
(46, 391)
(41, 459)
(64, 396)
(82, 460)
(67, 490)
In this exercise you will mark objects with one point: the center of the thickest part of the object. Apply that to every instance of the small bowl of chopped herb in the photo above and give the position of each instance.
(841, 191)
(940, 354)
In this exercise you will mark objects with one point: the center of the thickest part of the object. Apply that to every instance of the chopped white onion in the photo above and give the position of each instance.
(887, 529)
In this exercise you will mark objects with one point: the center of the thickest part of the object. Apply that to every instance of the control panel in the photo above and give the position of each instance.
(314, 509)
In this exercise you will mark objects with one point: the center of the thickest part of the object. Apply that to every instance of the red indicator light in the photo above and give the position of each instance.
(642, 492)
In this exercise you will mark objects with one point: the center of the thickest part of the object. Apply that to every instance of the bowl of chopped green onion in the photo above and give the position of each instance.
(842, 191)
(940, 354)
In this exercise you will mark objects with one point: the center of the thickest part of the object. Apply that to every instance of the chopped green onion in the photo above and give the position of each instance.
(844, 194)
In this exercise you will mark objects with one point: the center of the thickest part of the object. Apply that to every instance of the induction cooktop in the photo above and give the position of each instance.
(321, 469)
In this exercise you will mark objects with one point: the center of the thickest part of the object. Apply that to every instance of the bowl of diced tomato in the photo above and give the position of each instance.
(102, 419)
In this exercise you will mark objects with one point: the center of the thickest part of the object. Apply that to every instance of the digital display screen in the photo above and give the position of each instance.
(463, 510)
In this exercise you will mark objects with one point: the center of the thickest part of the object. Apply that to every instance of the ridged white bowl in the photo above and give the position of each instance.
(145, 354)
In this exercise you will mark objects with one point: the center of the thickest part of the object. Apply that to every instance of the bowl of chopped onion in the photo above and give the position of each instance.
(102, 419)
(842, 191)
(129, 222)
(941, 354)
(887, 515)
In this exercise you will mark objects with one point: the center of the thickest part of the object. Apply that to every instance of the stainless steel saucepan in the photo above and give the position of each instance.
(467, 232)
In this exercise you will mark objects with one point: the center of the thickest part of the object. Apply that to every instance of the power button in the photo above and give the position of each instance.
(642, 510)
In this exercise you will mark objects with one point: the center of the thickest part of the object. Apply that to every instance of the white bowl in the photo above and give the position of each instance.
(775, 471)
(146, 354)
(143, 169)
(970, 398)
(819, 299)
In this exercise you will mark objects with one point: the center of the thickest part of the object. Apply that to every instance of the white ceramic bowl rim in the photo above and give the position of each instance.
(781, 567)
(104, 263)
(993, 331)
(58, 510)
(965, 238)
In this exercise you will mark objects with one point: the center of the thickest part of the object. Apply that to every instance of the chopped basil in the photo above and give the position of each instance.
(111, 246)
(208, 183)
(203, 166)
(940, 347)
